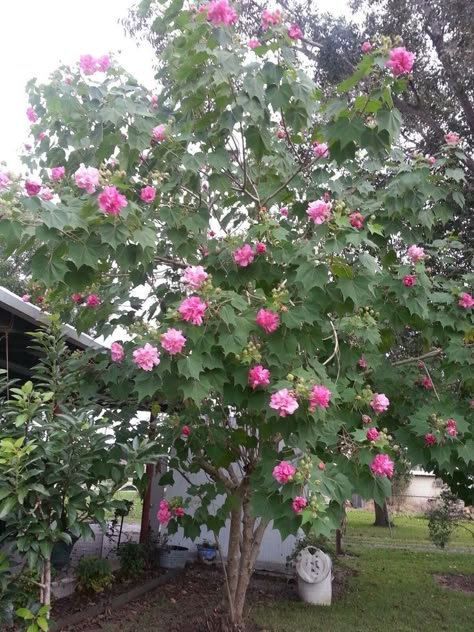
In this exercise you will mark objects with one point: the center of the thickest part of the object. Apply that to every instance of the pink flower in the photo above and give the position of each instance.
(253, 43)
(32, 187)
(281, 133)
(77, 297)
(356, 219)
(92, 300)
(173, 341)
(400, 60)
(366, 419)
(430, 159)
(319, 211)
(146, 357)
(258, 376)
(372, 434)
(4, 180)
(40, 136)
(192, 310)
(57, 173)
(103, 63)
(283, 471)
(319, 397)
(89, 65)
(284, 402)
(153, 100)
(366, 47)
(362, 362)
(382, 465)
(270, 18)
(164, 513)
(408, 280)
(379, 402)
(320, 149)
(178, 512)
(147, 194)
(298, 504)
(31, 114)
(87, 178)
(294, 32)
(430, 438)
(110, 200)
(416, 253)
(260, 247)
(465, 300)
(116, 352)
(451, 138)
(426, 382)
(46, 194)
(451, 427)
(321, 465)
(471, 403)
(220, 12)
(185, 430)
(158, 132)
(268, 319)
(194, 277)
(284, 211)
(25, 298)
(243, 255)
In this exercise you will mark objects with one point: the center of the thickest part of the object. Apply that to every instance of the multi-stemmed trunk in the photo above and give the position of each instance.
(45, 594)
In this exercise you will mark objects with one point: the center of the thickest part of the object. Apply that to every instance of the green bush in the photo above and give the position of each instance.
(132, 559)
(441, 521)
(93, 575)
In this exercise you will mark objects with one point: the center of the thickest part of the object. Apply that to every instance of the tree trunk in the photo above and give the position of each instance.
(45, 594)
(381, 515)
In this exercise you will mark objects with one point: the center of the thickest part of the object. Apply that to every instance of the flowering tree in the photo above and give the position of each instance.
(264, 248)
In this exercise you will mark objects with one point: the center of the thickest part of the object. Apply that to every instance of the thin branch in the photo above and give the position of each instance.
(431, 354)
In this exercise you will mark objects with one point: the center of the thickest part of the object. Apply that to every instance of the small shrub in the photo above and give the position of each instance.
(319, 542)
(132, 559)
(27, 589)
(441, 521)
(93, 575)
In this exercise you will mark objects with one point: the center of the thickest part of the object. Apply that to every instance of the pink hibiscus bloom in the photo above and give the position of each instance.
(146, 357)
(298, 504)
(260, 247)
(116, 352)
(284, 211)
(185, 430)
(284, 402)
(319, 397)
(153, 100)
(173, 341)
(92, 300)
(319, 211)
(194, 277)
(430, 159)
(4, 180)
(164, 513)
(379, 402)
(46, 194)
(253, 43)
(283, 471)
(426, 382)
(31, 114)
(76, 297)
(25, 298)
(294, 32)
(320, 149)
(366, 419)
(243, 255)
(270, 18)
(366, 47)
(451, 427)
(178, 512)
(258, 376)
(465, 300)
(408, 280)
(220, 12)
(356, 220)
(57, 173)
(362, 362)
(451, 138)
(268, 319)
(400, 61)
(110, 201)
(147, 194)
(382, 465)
(32, 187)
(87, 178)
(158, 132)
(430, 438)
(416, 253)
(372, 434)
(192, 310)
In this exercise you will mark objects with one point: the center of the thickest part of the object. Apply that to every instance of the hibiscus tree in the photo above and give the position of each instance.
(260, 281)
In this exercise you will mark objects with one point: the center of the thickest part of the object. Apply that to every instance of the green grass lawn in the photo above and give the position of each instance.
(407, 529)
(393, 591)
(135, 514)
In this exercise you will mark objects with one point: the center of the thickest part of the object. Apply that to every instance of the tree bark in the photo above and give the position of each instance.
(45, 594)
(381, 515)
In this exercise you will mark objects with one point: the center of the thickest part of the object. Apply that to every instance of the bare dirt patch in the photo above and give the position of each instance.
(465, 583)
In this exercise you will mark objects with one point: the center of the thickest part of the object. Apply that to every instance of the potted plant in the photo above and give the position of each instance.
(207, 551)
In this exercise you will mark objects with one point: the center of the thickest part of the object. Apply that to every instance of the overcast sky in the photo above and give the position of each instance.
(37, 35)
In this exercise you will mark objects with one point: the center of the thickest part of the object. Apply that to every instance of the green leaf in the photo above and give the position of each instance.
(24, 613)
(191, 366)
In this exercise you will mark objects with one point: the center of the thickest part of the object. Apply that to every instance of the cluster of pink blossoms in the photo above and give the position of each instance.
(4, 180)
(192, 310)
(243, 255)
(87, 178)
(31, 114)
(253, 43)
(270, 18)
(451, 428)
(194, 277)
(260, 247)
(92, 300)
(320, 149)
(258, 376)
(32, 187)
(111, 201)
(356, 220)
(298, 504)
(158, 132)
(116, 352)
(319, 397)
(219, 12)
(372, 434)
(57, 172)
(429, 438)
(408, 280)
(366, 47)
(283, 472)
(416, 253)
(186, 431)
(173, 341)
(319, 211)
(147, 194)
(426, 382)
(382, 465)
(90, 65)
(294, 32)
(146, 357)
(465, 300)
(268, 319)
(400, 61)
(379, 403)
(451, 138)
(284, 402)
(164, 513)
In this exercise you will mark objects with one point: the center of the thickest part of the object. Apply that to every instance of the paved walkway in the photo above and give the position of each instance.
(409, 546)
